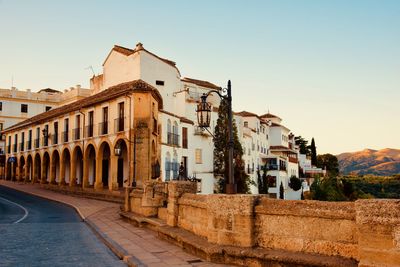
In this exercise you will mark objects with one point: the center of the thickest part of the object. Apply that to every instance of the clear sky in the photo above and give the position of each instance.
(330, 69)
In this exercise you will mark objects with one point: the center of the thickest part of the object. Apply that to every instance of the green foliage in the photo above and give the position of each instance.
(327, 189)
(281, 191)
(330, 162)
(303, 145)
(221, 155)
(295, 183)
(355, 187)
(313, 150)
(262, 181)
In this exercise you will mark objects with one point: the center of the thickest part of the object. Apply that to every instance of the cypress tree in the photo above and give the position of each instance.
(313, 153)
(281, 192)
(221, 154)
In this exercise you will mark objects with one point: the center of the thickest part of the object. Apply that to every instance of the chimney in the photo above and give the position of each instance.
(139, 46)
(78, 86)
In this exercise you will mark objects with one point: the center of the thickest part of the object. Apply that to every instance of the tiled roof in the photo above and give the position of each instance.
(246, 114)
(49, 90)
(182, 119)
(127, 51)
(110, 93)
(201, 83)
(269, 115)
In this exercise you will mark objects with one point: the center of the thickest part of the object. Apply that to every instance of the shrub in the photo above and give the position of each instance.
(295, 183)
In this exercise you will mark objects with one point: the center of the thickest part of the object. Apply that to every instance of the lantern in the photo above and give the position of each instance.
(204, 112)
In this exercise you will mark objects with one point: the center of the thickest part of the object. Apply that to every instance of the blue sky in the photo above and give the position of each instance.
(330, 69)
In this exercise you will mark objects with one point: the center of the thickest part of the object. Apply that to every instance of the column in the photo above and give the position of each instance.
(62, 171)
(98, 184)
(72, 173)
(113, 185)
(43, 179)
(27, 171)
(52, 171)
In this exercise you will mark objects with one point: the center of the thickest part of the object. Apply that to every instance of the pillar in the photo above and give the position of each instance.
(72, 173)
(43, 179)
(62, 171)
(27, 171)
(52, 170)
(98, 184)
(113, 185)
(21, 172)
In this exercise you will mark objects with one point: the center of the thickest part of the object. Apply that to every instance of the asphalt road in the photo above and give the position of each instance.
(38, 232)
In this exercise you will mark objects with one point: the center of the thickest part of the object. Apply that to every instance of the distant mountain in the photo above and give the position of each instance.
(376, 162)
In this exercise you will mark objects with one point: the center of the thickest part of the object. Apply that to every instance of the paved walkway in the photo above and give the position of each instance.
(138, 246)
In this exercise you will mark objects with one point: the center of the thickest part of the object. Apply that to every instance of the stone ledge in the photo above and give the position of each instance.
(87, 193)
(234, 255)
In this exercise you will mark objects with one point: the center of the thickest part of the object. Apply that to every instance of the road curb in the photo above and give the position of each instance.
(118, 250)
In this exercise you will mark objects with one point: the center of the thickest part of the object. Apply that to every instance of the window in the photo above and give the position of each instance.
(1, 106)
(15, 142)
(9, 145)
(24, 108)
(1, 126)
(121, 117)
(246, 124)
(184, 137)
(29, 145)
(167, 167)
(104, 125)
(198, 157)
(90, 126)
(22, 141)
(46, 137)
(37, 137)
(77, 130)
(48, 108)
(55, 136)
(158, 82)
(66, 129)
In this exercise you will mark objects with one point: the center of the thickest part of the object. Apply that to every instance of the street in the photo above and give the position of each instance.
(39, 232)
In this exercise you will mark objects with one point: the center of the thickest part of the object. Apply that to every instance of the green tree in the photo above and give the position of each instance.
(303, 145)
(221, 155)
(295, 183)
(313, 150)
(281, 191)
(328, 189)
(330, 162)
(262, 180)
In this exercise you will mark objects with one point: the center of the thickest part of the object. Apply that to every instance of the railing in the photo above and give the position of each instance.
(119, 125)
(77, 133)
(89, 131)
(173, 139)
(29, 145)
(55, 138)
(292, 160)
(45, 141)
(103, 128)
(272, 167)
(21, 146)
(65, 136)
(37, 143)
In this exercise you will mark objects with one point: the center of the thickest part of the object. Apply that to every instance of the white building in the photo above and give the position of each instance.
(265, 141)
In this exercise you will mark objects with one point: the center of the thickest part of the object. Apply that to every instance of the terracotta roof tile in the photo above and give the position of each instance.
(110, 93)
(246, 114)
(269, 115)
(201, 83)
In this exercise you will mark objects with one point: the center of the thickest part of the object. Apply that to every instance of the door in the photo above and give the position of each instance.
(105, 172)
(184, 160)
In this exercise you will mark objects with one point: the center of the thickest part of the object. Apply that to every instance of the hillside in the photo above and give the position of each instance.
(368, 161)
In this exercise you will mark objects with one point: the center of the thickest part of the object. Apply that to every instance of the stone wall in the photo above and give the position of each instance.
(367, 231)
(327, 228)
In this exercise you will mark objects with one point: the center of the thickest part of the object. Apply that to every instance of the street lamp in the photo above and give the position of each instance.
(117, 150)
(203, 119)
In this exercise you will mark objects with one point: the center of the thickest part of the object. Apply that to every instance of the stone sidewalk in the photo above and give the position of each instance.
(136, 246)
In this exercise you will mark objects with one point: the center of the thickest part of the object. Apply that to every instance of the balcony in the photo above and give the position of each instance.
(89, 131)
(173, 139)
(293, 160)
(21, 146)
(55, 138)
(37, 140)
(45, 141)
(77, 133)
(119, 125)
(29, 145)
(103, 128)
(65, 136)
(272, 167)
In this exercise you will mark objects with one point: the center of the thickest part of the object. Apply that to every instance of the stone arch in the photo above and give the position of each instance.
(55, 167)
(29, 168)
(77, 166)
(21, 166)
(103, 167)
(37, 165)
(65, 170)
(45, 167)
(89, 172)
(122, 163)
